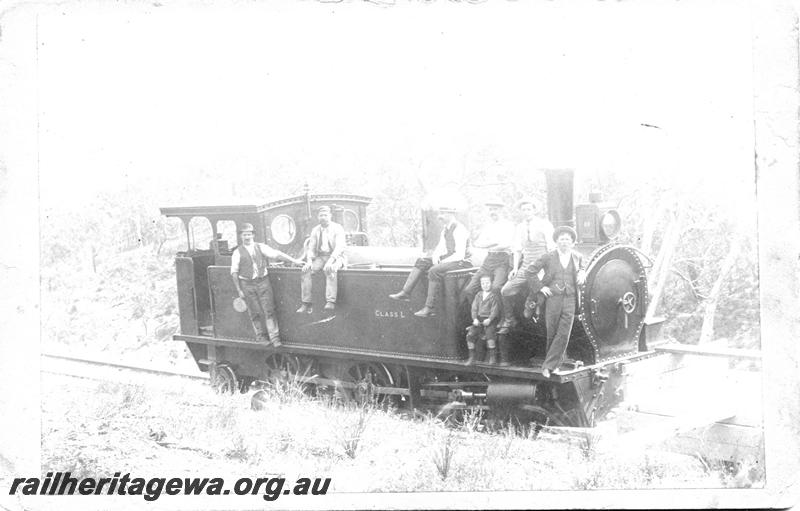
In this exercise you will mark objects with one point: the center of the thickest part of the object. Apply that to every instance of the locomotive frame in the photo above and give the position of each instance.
(374, 346)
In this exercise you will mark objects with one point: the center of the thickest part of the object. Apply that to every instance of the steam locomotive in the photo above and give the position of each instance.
(372, 346)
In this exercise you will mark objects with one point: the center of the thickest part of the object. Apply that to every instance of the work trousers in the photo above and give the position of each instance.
(523, 283)
(331, 278)
(261, 307)
(496, 265)
(436, 274)
(559, 315)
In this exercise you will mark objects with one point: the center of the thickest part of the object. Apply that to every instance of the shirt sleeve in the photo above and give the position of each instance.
(311, 252)
(460, 236)
(339, 240)
(235, 257)
(504, 236)
(547, 229)
(268, 251)
(518, 235)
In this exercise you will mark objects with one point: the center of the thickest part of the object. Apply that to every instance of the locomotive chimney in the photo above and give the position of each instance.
(559, 196)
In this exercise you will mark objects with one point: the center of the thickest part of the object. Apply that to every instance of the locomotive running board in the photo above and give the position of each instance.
(452, 365)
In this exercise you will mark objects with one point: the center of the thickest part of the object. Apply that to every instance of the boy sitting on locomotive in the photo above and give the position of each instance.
(485, 315)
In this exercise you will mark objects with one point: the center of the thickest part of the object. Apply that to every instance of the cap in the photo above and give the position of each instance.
(561, 229)
(447, 209)
(246, 227)
(526, 201)
(324, 209)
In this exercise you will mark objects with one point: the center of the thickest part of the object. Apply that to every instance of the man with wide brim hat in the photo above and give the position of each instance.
(250, 273)
(324, 252)
(562, 229)
(451, 253)
(563, 274)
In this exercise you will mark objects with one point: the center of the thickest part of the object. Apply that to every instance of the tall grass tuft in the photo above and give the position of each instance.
(442, 454)
(352, 430)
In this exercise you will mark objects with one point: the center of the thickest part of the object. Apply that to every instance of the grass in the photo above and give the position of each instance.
(193, 431)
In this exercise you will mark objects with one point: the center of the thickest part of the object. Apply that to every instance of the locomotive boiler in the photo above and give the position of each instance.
(374, 346)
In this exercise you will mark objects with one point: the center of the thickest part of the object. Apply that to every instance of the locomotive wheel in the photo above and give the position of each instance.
(287, 370)
(367, 376)
(223, 379)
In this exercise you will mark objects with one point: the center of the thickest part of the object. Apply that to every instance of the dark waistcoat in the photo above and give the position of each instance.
(246, 262)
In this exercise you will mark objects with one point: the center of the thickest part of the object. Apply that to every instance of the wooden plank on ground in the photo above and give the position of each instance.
(709, 351)
(661, 428)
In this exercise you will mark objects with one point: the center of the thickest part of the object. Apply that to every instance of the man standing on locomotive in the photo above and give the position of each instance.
(533, 238)
(250, 276)
(325, 251)
(497, 237)
(564, 272)
(451, 253)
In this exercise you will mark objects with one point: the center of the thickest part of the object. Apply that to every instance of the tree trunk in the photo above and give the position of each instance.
(663, 263)
(707, 331)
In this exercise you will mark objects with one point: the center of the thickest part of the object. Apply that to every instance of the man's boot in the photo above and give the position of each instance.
(502, 348)
(492, 352)
(430, 304)
(411, 282)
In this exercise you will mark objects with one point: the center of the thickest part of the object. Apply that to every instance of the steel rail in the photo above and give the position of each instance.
(116, 365)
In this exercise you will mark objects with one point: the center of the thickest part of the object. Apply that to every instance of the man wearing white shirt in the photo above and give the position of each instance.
(249, 270)
(451, 253)
(497, 236)
(533, 238)
(325, 252)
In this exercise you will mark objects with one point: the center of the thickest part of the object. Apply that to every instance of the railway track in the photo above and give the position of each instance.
(106, 370)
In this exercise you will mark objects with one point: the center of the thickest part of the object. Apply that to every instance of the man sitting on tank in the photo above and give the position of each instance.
(325, 252)
(497, 236)
(249, 271)
(451, 253)
(564, 272)
(485, 315)
(532, 239)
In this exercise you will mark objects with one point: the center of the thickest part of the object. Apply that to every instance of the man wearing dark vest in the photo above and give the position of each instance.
(451, 253)
(249, 271)
(324, 252)
(564, 273)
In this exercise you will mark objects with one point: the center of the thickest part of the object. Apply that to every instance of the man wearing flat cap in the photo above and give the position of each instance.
(564, 273)
(532, 239)
(324, 252)
(249, 270)
(451, 253)
(497, 236)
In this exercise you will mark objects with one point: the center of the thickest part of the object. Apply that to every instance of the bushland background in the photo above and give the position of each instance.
(108, 281)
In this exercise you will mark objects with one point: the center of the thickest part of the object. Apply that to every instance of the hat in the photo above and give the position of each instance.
(561, 229)
(246, 227)
(324, 209)
(494, 201)
(526, 201)
(239, 305)
(447, 209)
